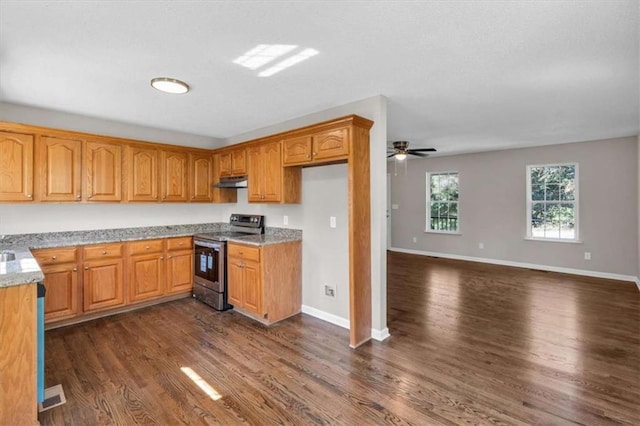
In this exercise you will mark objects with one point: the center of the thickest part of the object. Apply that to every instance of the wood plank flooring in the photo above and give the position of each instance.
(470, 344)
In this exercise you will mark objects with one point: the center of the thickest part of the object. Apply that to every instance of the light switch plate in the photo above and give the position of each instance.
(394, 207)
(332, 222)
(285, 220)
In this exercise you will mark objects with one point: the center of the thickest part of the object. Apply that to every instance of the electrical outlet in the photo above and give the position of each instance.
(332, 222)
(394, 207)
(285, 220)
(415, 239)
(329, 291)
(481, 245)
(587, 255)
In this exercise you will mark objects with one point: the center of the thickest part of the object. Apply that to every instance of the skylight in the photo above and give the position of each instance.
(263, 54)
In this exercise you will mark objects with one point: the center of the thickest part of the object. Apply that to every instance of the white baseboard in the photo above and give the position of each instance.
(638, 283)
(379, 335)
(573, 271)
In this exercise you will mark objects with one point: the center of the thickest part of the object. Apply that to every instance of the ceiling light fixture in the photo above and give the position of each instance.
(169, 85)
(400, 156)
(263, 54)
(289, 62)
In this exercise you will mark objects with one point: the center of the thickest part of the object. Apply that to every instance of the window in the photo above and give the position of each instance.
(442, 202)
(552, 202)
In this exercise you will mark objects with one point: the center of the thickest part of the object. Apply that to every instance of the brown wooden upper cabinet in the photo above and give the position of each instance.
(174, 173)
(201, 166)
(103, 171)
(318, 148)
(59, 165)
(16, 166)
(233, 163)
(141, 172)
(268, 181)
(221, 195)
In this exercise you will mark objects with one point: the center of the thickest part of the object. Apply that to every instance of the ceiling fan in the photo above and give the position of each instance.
(401, 150)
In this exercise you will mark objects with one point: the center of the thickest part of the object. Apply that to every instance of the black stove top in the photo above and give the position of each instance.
(222, 236)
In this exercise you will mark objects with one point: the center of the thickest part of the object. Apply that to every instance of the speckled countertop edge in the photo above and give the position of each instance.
(25, 269)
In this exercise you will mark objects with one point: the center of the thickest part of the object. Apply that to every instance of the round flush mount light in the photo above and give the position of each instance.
(170, 85)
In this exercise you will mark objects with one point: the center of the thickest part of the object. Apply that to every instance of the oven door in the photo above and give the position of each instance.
(209, 258)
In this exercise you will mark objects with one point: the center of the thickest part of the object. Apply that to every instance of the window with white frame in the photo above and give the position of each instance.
(442, 202)
(552, 202)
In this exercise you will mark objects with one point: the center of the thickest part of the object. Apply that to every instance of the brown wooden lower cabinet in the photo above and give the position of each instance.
(265, 282)
(103, 284)
(96, 278)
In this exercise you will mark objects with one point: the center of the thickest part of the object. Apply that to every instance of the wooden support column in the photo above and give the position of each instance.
(18, 362)
(359, 232)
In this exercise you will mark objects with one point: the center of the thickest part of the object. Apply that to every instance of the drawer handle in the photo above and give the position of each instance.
(53, 257)
(147, 248)
(104, 252)
(181, 243)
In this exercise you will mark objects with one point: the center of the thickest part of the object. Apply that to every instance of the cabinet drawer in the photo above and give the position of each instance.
(146, 246)
(244, 252)
(55, 256)
(180, 243)
(103, 251)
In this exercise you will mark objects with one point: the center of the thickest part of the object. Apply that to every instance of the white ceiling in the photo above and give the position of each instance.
(460, 76)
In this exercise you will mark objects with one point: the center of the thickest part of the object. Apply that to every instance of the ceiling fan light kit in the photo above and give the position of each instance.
(401, 150)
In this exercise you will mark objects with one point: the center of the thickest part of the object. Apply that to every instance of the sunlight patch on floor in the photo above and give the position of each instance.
(202, 384)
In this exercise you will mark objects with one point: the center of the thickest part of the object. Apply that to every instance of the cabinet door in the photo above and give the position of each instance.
(59, 162)
(179, 271)
(103, 284)
(142, 174)
(61, 298)
(255, 174)
(225, 164)
(239, 162)
(16, 167)
(146, 276)
(103, 173)
(296, 150)
(234, 281)
(201, 175)
(175, 176)
(272, 172)
(330, 145)
(252, 288)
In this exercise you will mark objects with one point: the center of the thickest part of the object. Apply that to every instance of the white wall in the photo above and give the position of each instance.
(638, 214)
(314, 220)
(493, 206)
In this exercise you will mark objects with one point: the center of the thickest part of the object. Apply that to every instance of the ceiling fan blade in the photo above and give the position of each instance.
(423, 150)
(418, 154)
(392, 155)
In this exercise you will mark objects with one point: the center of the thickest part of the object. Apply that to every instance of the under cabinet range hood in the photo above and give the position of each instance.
(232, 182)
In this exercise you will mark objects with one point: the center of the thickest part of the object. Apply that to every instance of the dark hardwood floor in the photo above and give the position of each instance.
(471, 343)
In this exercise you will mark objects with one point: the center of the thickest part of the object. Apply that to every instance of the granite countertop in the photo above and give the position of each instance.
(25, 269)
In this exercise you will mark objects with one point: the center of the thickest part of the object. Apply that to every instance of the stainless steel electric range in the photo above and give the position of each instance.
(210, 254)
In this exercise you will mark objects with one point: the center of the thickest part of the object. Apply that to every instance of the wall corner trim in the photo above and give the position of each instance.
(638, 283)
(583, 272)
(378, 335)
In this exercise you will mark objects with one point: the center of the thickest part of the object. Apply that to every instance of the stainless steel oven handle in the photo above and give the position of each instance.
(215, 246)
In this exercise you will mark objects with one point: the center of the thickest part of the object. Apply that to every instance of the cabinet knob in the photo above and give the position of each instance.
(192, 197)
(315, 153)
(86, 268)
(164, 197)
(90, 196)
(169, 257)
(181, 243)
(161, 257)
(147, 248)
(54, 257)
(29, 195)
(78, 196)
(104, 252)
(75, 269)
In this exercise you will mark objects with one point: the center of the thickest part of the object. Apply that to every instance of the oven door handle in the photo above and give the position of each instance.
(214, 246)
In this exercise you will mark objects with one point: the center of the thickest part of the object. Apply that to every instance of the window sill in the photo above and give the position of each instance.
(430, 231)
(553, 240)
